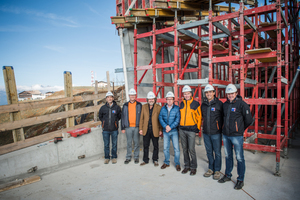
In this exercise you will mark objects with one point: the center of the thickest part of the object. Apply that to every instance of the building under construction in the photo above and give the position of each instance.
(167, 44)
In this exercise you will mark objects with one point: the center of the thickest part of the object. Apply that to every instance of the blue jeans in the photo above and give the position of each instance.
(114, 141)
(237, 142)
(213, 144)
(174, 137)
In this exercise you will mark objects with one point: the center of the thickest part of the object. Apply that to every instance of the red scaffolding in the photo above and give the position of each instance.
(255, 48)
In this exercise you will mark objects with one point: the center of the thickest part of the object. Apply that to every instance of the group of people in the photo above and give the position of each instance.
(226, 120)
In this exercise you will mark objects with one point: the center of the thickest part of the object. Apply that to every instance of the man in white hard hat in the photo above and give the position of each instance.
(212, 113)
(109, 115)
(150, 128)
(237, 118)
(190, 123)
(169, 118)
(130, 120)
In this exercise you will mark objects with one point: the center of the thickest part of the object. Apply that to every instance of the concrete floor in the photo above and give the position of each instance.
(91, 179)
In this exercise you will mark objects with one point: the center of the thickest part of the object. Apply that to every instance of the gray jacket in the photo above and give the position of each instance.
(124, 116)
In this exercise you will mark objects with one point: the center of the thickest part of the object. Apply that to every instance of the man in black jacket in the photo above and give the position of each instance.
(212, 114)
(237, 118)
(130, 120)
(109, 115)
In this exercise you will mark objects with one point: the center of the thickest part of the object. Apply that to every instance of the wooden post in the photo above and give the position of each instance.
(108, 81)
(69, 93)
(95, 101)
(12, 98)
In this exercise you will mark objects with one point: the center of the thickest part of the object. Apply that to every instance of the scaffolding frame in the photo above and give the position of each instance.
(264, 65)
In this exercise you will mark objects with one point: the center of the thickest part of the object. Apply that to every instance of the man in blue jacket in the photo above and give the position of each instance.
(169, 118)
(237, 118)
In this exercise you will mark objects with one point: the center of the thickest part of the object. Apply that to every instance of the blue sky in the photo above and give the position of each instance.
(42, 39)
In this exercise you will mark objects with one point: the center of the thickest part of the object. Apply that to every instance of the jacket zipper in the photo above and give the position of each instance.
(208, 119)
(185, 112)
(227, 118)
(109, 117)
(236, 127)
(218, 125)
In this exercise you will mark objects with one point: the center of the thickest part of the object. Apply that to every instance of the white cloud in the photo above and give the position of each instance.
(92, 9)
(55, 48)
(53, 18)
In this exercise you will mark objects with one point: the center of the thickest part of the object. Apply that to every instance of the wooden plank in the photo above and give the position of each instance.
(12, 98)
(47, 118)
(265, 60)
(19, 183)
(129, 19)
(95, 101)
(204, 48)
(117, 20)
(69, 93)
(42, 138)
(219, 47)
(246, 26)
(256, 51)
(47, 103)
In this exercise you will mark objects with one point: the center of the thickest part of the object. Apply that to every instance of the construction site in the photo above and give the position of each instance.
(166, 44)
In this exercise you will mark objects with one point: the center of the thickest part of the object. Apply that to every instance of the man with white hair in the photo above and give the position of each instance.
(237, 118)
(130, 120)
(212, 113)
(150, 128)
(169, 118)
(109, 115)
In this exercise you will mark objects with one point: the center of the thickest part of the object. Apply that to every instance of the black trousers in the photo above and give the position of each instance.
(146, 141)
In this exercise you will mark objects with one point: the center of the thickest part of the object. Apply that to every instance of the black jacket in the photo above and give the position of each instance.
(237, 117)
(110, 116)
(212, 115)
(125, 119)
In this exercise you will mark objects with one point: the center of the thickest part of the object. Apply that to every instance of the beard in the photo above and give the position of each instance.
(151, 104)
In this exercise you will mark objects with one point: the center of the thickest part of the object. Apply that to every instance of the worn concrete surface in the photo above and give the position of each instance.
(49, 155)
(95, 180)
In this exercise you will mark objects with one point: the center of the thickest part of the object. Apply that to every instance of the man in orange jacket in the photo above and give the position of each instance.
(190, 124)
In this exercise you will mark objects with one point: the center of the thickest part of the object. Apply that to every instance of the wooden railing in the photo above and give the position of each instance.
(69, 113)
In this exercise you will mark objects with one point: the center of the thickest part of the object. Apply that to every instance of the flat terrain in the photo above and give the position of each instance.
(91, 179)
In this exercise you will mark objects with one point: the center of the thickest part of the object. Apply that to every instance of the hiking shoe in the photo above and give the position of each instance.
(185, 170)
(164, 166)
(208, 173)
(114, 161)
(224, 179)
(127, 161)
(143, 163)
(136, 161)
(217, 175)
(106, 161)
(155, 164)
(239, 185)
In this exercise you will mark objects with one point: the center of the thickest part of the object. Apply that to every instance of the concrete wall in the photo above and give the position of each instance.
(51, 155)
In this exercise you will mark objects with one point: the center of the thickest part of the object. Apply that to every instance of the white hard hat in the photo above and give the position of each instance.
(230, 88)
(170, 94)
(208, 87)
(150, 95)
(186, 88)
(132, 92)
(109, 94)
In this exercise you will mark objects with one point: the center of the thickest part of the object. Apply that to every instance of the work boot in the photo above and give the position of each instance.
(127, 161)
(136, 161)
(114, 161)
(106, 161)
(217, 175)
(224, 179)
(185, 170)
(193, 172)
(155, 164)
(164, 166)
(208, 173)
(239, 185)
